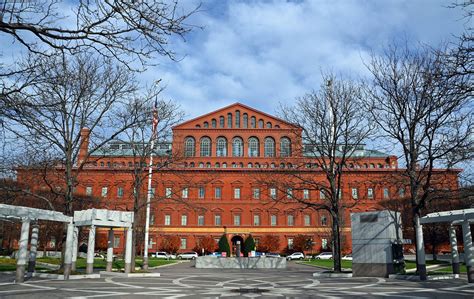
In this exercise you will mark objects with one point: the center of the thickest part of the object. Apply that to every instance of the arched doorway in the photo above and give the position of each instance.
(234, 243)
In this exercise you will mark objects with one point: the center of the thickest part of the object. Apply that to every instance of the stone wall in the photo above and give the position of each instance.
(212, 262)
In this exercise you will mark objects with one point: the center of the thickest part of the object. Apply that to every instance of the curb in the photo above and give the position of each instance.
(417, 278)
(332, 275)
(61, 277)
(128, 275)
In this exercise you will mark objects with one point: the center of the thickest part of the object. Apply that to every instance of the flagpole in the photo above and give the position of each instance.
(149, 193)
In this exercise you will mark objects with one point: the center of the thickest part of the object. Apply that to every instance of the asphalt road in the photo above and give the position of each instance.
(184, 281)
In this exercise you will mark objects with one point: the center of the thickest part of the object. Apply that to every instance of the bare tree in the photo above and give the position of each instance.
(333, 126)
(123, 30)
(424, 113)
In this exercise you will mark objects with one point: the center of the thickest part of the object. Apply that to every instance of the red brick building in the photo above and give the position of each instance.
(217, 181)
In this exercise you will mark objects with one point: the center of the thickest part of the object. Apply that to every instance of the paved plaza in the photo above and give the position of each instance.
(185, 281)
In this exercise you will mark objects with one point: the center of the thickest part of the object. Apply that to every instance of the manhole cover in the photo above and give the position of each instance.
(249, 290)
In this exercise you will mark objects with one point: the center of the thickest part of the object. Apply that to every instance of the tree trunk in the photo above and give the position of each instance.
(134, 246)
(337, 244)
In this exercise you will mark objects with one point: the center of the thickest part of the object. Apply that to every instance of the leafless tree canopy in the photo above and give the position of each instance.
(124, 30)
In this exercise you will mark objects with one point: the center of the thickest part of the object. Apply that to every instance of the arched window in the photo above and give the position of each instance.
(245, 120)
(237, 118)
(269, 125)
(253, 147)
(189, 147)
(221, 147)
(213, 123)
(260, 123)
(229, 120)
(224, 165)
(253, 122)
(249, 165)
(205, 147)
(285, 147)
(257, 165)
(206, 124)
(269, 147)
(221, 121)
(237, 147)
(217, 165)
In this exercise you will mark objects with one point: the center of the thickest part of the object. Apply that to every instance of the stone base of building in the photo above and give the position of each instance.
(211, 262)
(372, 270)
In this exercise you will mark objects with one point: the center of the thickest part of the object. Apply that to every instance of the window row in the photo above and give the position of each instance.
(238, 165)
(237, 147)
(237, 122)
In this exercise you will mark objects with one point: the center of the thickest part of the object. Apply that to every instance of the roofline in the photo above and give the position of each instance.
(237, 104)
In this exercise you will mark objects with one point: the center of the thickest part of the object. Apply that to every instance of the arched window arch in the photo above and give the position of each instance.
(253, 148)
(221, 147)
(213, 123)
(229, 120)
(217, 165)
(237, 118)
(269, 125)
(245, 120)
(260, 123)
(253, 122)
(205, 148)
(285, 147)
(237, 147)
(249, 165)
(206, 125)
(221, 121)
(269, 147)
(189, 147)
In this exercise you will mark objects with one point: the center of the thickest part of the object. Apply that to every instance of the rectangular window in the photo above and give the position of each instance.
(201, 220)
(152, 195)
(273, 220)
(184, 220)
(104, 192)
(324, 243)
(183, 244)
(237, 220)
(307, 220)
(290, 243)
(152, 219)
(289, 193)
(370, 193)
(291, 220)
(167, 219)
(184, 193)
(237, 193)
(168, 192)
(355, 194)
(256, 220)
(256, 193)
(273, 193)
(217, 220)
(120, 192)
(386, 193)
(201, 192)
(305, 194)
(322, 195)
(116, 241)
(218, 192)
(401, 192)
(89, 191)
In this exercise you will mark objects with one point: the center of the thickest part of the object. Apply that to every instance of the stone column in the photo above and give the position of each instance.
(110, 250)
(68, 251)
(468, 250)
(128, 251)
(33, 247)
(22, 250)
(420, 250)
(454, 249)
(90, 250)
(75, 241)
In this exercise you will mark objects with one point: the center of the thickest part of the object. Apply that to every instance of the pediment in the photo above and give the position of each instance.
(213, 120)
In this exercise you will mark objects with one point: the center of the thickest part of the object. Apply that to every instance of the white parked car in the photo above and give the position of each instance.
(164, 255)
(190, 255)
(295, 256)
(324, 256)
(347, 257)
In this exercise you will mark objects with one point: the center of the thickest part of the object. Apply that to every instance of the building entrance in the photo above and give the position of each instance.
(234, 243)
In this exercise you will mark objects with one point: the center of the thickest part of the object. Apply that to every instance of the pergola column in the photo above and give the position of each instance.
(22, 250)
(75, 241)
(468, 250)
(454, 250)
(68, 251)
(110, 250)
(33, 247)
(128, 250)
(90, 250)
(420, 250)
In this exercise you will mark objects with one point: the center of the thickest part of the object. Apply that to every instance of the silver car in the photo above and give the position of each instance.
(190, 255)
(164, 255)
(295, 256)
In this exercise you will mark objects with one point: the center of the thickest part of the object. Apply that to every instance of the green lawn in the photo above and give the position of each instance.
(449, 270)
(10, 265)
(328, 263)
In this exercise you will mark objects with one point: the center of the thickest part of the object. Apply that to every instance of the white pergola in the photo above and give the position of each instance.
(26, 216)
(94, 218)
(456, 217)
